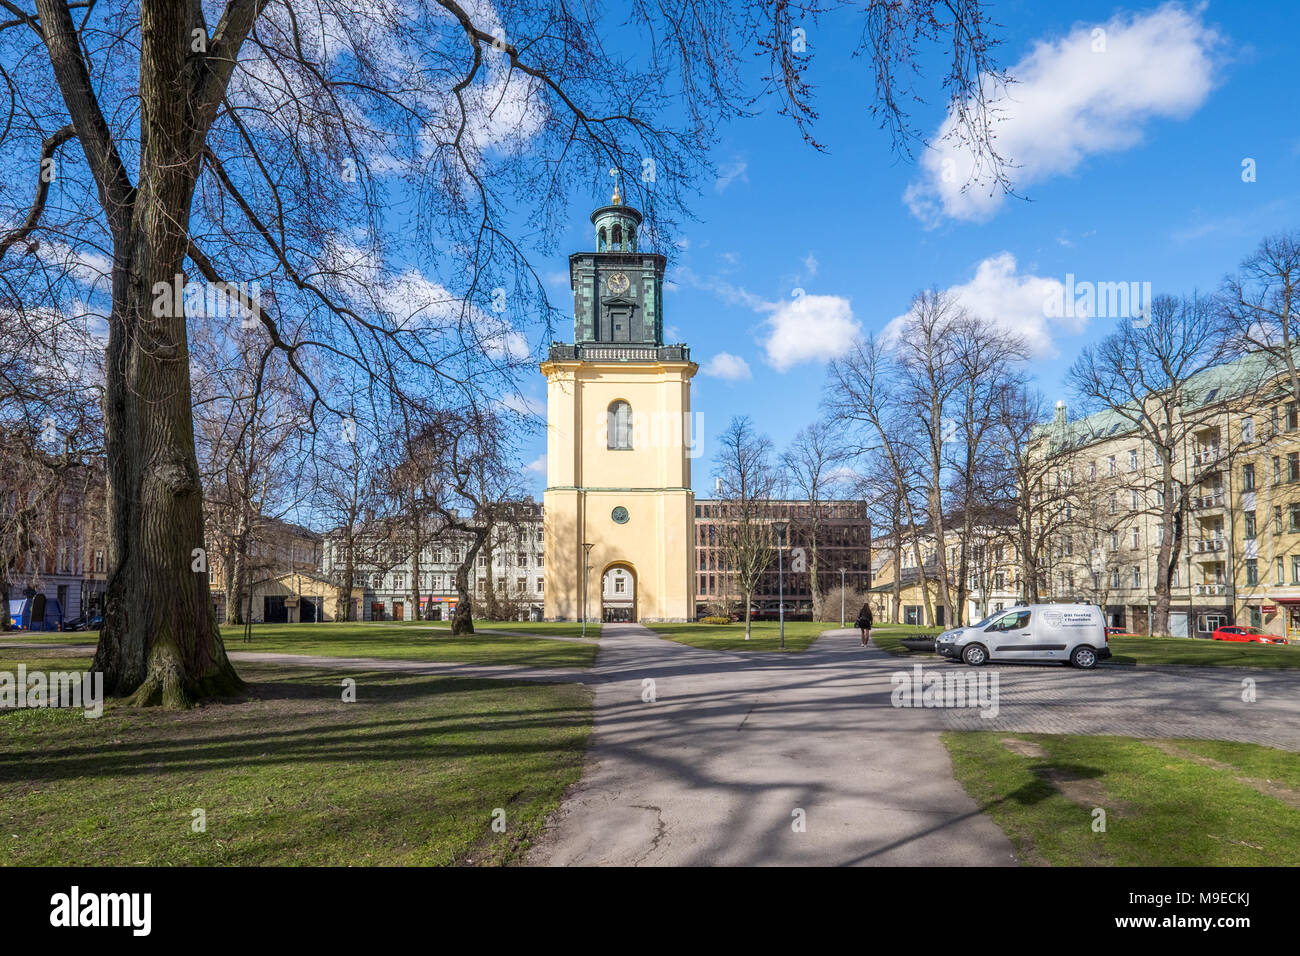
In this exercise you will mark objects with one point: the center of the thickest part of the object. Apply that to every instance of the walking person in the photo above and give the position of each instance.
(863, 623)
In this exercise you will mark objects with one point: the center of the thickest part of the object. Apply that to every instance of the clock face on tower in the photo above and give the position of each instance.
(617, 283)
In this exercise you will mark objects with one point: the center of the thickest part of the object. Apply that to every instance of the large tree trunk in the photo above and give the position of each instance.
(462, 620)
(159, 643)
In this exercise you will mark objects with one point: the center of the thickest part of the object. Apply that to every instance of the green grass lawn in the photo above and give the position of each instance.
(799, 635)
(415, 641)
(887, 636)
(1167, 803)
(540, 628)
(1202, 653)
(409, 774)
(409, 643)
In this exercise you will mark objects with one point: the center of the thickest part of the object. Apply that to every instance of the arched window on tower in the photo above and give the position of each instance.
(631, 238)
(600, 240)
(620, 425)
(617, 238)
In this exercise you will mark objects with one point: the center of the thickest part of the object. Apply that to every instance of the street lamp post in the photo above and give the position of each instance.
(586, 582)
(780, 527)
(841, 599)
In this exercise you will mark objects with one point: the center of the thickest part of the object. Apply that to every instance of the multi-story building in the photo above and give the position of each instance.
(1236, 471)
(67, 547)
(992, 574)
(843, 544)
(510, 565)
(275, 549)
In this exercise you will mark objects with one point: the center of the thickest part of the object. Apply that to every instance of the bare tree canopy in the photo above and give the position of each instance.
(347, 177)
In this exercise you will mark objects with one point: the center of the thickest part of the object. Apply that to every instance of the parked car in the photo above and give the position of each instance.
(1066, 633)
(1242, 632)
(83, 623)
(1118, 632)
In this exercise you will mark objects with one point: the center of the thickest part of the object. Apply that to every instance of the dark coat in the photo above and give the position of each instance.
(864, 618)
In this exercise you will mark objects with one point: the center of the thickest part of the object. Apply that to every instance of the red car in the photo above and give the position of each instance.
(1240, 632)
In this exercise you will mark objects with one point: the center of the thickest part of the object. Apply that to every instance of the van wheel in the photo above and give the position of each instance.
(975, 655)
(1083, 656)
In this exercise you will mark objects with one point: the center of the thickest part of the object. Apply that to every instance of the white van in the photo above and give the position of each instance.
(1068, 633)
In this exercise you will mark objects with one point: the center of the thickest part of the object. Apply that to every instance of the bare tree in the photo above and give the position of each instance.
(1147, 375)
(468, 464)
(347, 491)
(250, 431)
(1036, 485)
(984, 357)
(270, 146)
(811, 466)
(863, 388)
(1261, 303)
(746, 484)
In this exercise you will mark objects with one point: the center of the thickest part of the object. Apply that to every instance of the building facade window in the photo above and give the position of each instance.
(1250, 524)
(1252, 571)
(620, 426)
(1247, 477)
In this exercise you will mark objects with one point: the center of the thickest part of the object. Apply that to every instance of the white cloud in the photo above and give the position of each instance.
(810, 263)
(538, 465)
(1070, 101)
(1011, 300)
(730, 173)
(806, 328)
(731, 368)
(810, 328)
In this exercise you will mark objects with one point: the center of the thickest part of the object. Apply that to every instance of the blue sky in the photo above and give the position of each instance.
(1130, 156)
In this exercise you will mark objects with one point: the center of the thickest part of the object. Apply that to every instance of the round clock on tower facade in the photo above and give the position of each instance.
(618, 283)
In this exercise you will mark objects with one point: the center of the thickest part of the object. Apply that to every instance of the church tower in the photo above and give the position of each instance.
(620, 513)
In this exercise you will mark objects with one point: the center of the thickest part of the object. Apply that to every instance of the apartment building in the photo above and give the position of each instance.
(385, 571)
(64, 530)
(1237, 474)
(992, 574)
(843, 536)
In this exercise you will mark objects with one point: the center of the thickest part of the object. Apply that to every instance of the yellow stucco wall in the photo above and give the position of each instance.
(586, 481)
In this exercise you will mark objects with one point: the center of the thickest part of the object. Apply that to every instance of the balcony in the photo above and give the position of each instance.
(619, 352)
(1204, 545)
(1209, 590)
(1206, 457)
(1207, 502)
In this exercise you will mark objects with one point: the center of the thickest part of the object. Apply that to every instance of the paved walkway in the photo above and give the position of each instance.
(736, 749)
(712, 771)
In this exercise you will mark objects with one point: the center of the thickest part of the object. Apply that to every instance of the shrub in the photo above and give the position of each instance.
(715, 620)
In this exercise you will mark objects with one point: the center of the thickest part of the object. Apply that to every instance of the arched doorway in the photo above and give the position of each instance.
(618, 593)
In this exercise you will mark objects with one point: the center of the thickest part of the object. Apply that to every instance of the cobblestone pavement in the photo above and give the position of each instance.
(1140, 702)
